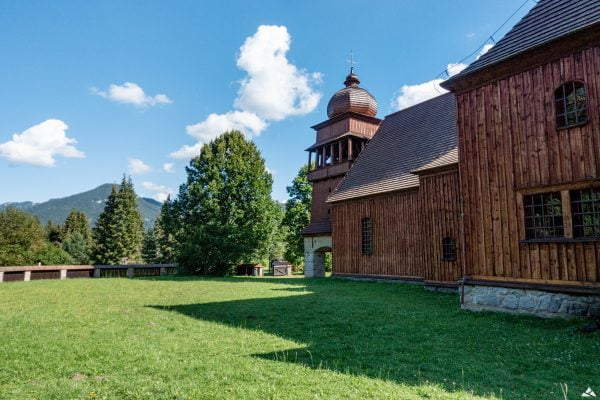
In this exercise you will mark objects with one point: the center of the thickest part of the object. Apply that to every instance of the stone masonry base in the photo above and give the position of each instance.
(532, 302)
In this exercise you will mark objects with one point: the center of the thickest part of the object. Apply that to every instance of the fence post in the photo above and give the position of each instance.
(97, 272)
(163, 271)
(1, 276)
(130, 272)
(27, 276)
(63, 274)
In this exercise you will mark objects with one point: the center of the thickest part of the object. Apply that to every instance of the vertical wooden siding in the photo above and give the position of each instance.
(320, 191)
(508, 141)
(439, 203)
(396, 241)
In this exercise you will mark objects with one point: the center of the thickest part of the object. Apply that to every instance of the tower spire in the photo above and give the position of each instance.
(351, 79)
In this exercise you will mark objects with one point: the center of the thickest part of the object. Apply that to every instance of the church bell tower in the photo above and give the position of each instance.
(350, 125)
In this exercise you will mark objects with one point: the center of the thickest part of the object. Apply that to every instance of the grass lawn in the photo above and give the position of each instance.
(188, 338)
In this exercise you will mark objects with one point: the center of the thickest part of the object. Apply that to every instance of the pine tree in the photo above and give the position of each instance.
(225, 206)
(297, 215)
(119, 230)
(149, 250)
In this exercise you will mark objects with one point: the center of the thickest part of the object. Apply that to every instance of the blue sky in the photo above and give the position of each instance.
(192, 59)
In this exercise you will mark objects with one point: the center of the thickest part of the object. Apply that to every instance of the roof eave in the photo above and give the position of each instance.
(344, 116)
(542, 56)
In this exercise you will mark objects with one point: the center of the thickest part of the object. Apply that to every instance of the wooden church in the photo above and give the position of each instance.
(492, 189)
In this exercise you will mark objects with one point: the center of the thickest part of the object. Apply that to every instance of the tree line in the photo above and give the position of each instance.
(223, 215)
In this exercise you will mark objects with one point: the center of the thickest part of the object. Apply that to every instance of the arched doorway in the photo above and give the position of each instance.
(317, 251)
(321, 257)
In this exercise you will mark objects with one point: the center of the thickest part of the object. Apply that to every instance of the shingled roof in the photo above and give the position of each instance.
(408, 140)
(547, 21)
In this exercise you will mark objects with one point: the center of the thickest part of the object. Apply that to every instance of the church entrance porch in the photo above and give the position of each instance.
(315, 253)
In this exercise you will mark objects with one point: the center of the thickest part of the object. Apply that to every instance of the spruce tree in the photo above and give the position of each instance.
(133, 229)
(77, 221)
(54, 233)
(166, 229)
(225, 206)
(119, 230)
(77, 246)
(149, 250)
(107, 248)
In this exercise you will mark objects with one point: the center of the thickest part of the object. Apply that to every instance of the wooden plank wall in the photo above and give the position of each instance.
(396, 241)
(320, 191)
(508, 141)
(439, 202)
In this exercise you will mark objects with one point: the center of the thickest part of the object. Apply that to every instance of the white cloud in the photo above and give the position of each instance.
(161, 192)
(137, 166)
(131, 93)
(169, 167)
(484, 50)
(409, 95)
(39, 144)
(272, 90)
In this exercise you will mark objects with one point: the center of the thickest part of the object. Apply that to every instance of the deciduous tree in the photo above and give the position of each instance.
(225, 206)
(297, 215)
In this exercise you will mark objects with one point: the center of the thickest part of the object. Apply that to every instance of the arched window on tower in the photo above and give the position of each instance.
(571, 105)
(448, 249)
(367, 236)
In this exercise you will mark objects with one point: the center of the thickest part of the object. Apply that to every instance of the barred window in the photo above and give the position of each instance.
(543, 216)
(448, 249)
(367, 236)
(571, 104)
(585, 206)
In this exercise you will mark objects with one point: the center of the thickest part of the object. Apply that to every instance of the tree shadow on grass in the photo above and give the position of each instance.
(407, 335)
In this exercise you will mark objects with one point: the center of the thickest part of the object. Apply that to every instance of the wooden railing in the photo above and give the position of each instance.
(131, 270)
(36, 272)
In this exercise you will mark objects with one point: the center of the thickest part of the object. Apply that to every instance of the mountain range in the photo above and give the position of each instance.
(90, 202)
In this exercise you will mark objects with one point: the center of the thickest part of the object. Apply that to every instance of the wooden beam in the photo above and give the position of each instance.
(350, 148)
(340, 152)
(567, 216)
(323, 157)
(331, 147)
(310, 160)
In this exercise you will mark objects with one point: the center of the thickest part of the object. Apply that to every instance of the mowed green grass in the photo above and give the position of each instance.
(192, 338)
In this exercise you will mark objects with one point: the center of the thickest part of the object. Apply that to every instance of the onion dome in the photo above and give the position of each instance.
(352, 99)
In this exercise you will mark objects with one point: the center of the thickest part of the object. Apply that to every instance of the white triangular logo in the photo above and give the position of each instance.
(588, 393)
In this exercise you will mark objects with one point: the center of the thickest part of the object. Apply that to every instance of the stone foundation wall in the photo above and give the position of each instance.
(532, 302)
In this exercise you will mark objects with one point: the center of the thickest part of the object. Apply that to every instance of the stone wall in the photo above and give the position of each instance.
(532, 302)
(315, 248)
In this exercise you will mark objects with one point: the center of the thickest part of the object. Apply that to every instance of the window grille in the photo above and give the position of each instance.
(367, 236)
(585, 207)
(543, 216)
(571, 104)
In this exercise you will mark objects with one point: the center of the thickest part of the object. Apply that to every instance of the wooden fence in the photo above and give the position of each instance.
(37, 272)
